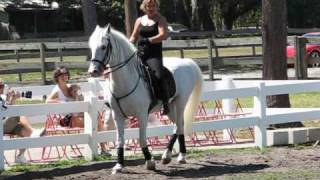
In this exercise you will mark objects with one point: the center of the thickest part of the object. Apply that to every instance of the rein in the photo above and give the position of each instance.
(120, 65)
(117, 67)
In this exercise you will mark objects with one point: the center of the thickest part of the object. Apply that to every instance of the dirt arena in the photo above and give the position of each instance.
(299, 162)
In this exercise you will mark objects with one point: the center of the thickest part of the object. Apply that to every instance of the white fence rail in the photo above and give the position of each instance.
(260, 118)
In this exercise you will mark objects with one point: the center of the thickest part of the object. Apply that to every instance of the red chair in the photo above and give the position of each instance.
(53, 127)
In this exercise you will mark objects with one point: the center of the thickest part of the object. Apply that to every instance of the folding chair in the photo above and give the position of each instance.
(238, 112)
(53, 127)
(202, 115)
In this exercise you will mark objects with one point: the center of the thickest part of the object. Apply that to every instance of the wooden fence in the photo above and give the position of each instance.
(18, 50)
(260, 118)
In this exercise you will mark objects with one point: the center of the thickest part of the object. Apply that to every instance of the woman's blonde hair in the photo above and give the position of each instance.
(145, 2)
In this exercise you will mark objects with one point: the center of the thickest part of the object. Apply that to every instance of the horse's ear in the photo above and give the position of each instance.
(108, 28)
(97, 27)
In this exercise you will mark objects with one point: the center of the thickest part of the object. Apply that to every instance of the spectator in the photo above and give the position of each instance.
(63, 92)
(18, 126)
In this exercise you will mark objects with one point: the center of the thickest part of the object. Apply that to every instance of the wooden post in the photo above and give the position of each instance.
(181, 53)
(16, 52)
(60, 54)
(1, 142)
(254, 50)
(210, 58)
(260, 106)
(90, 120)
(301, 58)
(43, 62)
(60, 51)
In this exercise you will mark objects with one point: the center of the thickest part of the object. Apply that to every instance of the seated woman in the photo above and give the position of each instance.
(63, 92)
(18, 126)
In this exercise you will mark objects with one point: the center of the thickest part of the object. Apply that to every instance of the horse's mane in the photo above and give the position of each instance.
(99, 33)
(122, 36)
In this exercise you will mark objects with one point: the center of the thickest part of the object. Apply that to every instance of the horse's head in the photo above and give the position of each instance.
(108, 47)
(101, 50)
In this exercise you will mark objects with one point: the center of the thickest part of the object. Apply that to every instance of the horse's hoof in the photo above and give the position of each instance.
(181, 158)
(166, 161)
(117, 169)
(150, 165)
(166, 157)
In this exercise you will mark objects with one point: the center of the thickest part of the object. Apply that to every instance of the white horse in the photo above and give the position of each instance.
(130, 95)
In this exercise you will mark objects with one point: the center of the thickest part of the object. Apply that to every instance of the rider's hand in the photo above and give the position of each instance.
(144, 41)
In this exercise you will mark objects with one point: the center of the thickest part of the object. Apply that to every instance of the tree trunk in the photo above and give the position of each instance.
(89, 14)
(185, 18)
(194, 15)
(131, 13)
(274, 38)
(204, 16)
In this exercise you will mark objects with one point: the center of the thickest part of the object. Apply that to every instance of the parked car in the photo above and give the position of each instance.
(174, 29)
(313, 49)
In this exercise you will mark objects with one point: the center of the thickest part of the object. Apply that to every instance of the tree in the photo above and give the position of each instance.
(89, 14)
(274, 40)
(131, 14)
(226, 12)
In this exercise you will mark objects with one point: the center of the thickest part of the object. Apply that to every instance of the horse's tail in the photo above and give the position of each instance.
(193, 100)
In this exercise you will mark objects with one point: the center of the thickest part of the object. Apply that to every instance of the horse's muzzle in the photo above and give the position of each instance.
(94, 70)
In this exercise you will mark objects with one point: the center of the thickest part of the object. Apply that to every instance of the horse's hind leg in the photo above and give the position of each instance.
(177, 116)
(150, 164)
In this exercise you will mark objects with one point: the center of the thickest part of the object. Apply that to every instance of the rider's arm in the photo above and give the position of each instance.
(135, 34)
(163, 31)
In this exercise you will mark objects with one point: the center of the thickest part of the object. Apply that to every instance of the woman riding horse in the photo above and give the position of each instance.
(152, 29)
(130, 96)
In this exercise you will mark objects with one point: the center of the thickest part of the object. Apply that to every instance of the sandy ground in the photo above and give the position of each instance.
(213, 165)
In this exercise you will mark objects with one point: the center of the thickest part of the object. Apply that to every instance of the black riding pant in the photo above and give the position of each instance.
(156, 65)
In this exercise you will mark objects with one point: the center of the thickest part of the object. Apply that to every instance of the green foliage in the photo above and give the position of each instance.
(34, 167)
(303, 14)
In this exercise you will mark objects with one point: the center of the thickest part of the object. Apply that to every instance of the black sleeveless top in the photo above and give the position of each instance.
(155, 49)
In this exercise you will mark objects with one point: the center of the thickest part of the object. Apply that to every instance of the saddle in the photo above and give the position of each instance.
(154, 87)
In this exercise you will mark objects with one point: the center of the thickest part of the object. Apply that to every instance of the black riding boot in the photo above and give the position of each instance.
(165, 96)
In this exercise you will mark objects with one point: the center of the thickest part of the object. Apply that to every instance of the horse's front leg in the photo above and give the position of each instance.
(143, 121)
(119, 122)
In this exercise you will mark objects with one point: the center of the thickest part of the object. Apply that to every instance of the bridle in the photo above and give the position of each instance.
(106, 60)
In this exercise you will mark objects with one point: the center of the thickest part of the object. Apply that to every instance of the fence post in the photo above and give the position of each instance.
(1, 143)
(43, 63)
(228, 105)
(181, 53)
(259, 107)
(90, 121)
(60, 50)
(210, 59)
(16, 52)
(301, 58)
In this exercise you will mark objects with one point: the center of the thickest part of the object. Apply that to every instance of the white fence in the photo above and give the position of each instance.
(260, 118)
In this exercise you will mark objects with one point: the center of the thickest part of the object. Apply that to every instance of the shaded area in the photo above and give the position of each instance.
(135, 168)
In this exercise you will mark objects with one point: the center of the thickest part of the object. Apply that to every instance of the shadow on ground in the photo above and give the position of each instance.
(191, 170)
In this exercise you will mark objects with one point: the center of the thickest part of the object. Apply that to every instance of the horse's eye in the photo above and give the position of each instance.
(103, 47)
